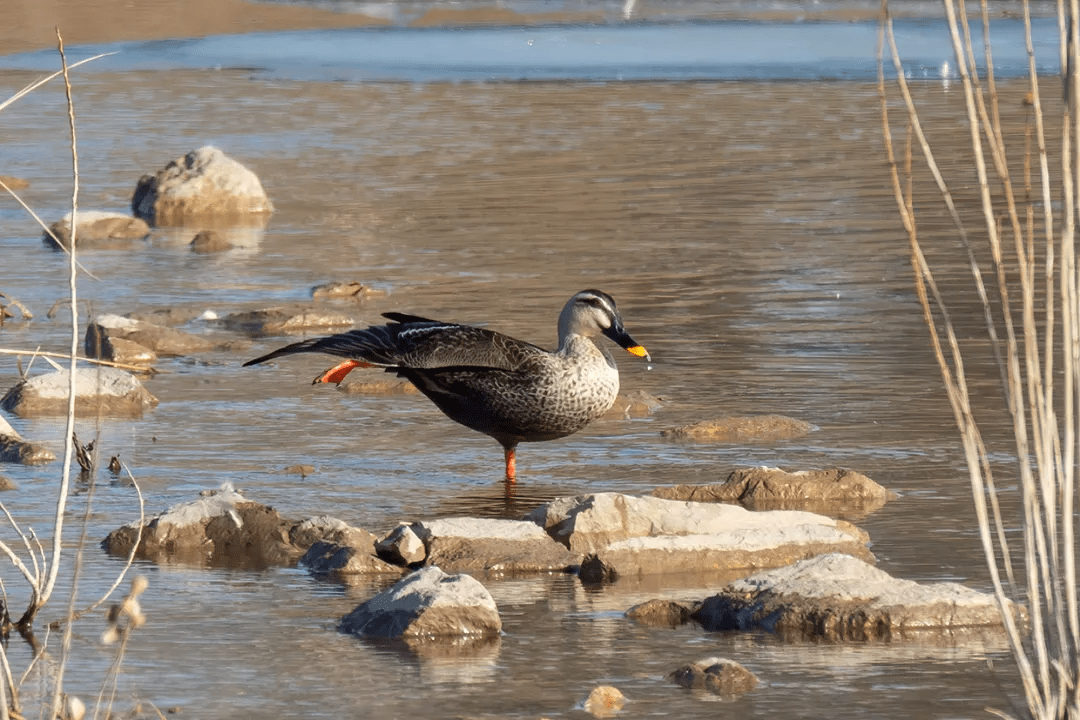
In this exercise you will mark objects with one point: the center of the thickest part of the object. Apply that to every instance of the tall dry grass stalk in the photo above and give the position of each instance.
(1033, 326)
(41, 569)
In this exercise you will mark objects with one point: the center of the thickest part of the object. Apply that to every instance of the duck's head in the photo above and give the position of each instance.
(592, 312)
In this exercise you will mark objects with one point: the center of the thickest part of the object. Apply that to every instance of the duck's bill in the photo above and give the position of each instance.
(622, 338)
(639, 351)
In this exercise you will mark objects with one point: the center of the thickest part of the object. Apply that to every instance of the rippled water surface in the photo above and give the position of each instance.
(747, 230)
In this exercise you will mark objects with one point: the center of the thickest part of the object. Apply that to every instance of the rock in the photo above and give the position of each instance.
(378, 387)
(210, 241)
(96, 229)
(660, 613)
(104, 331)
(401, 546)
(760, 428)
(624, 535)
(277, 321)
(222, 528)
(492, 546)
(427, 604)
(14, 183)
(344, 290)
(604, 701)
(589, 523)
(7, 484)
(841, 598)
(105, 390)
(302, 470)
(634, 405)
(336, 549)
(205, 183)
(14, 449)
(720, 675)
(835, 492)
(336, 560)
(324, 528)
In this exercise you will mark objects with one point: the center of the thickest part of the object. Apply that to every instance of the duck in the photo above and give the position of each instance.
(509, 389)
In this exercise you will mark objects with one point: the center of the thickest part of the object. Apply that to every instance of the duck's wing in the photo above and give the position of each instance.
(416, 342)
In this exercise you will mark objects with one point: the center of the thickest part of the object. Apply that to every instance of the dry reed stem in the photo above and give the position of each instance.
(92, 361)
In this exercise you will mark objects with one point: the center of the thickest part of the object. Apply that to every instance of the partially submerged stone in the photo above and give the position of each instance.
(283, 320)
(759, 428)
(222, 528)
(660, 613)
(205, 183)
(104, 332)
(96, 229)
(210, 241)
(101, 390)
(378, 387)
(427, 604)
(623, 535)
(336, 560)
(402, 546)
(344, 291)
(837, 597)
(492, 546)
(835, 492)
(634, 404)
(719, 675)
(14, 449)
(604, 701)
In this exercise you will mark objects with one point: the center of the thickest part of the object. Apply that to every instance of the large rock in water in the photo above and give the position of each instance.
(14, 449)
(494, 546)
(96, 229)
(836, 492)
(428, 604)
(837, 597)
(223, 528)
(127, 340)
(205, 184)
(624, 535)
(105, 390)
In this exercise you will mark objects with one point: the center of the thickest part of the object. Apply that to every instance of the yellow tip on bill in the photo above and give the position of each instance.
(637, 350)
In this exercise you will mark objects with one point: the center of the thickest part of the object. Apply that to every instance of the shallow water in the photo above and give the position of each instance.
(747, 230)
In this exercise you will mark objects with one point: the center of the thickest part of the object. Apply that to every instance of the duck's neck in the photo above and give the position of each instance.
(578, 346)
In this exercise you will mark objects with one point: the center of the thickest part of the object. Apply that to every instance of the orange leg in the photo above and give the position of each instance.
(337, 373)
(511, 465)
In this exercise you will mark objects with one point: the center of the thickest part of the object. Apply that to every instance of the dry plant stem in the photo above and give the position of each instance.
(92, 361)
(61, 501)
(953, 375)
(127, 565)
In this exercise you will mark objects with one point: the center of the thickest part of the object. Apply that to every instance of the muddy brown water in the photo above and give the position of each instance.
(747, 230)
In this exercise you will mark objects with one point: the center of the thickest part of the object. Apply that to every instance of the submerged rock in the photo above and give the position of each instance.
(492, 546)
(635, 404)
(660, 613)
(604, 701)
(210, 241)
(759, 428)
(719, 675)
(835, 492)
(98, 390)
(626, 535)
(378, 387)
(110, 336)
(344, 291)
(283, 320)
(427, 604)
(205, 183)
(223, 528)
(96, 229)
(14, 449)
(837, 597)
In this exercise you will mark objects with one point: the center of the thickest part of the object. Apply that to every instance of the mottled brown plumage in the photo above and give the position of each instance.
(509, 389)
